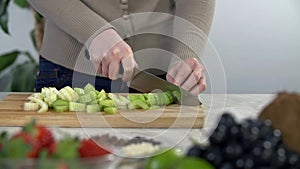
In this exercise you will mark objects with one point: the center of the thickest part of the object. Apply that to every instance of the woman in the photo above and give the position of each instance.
(112, 30)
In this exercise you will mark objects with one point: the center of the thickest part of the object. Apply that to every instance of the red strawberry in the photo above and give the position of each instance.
(88, 148)
(28, 139)
(43, 135)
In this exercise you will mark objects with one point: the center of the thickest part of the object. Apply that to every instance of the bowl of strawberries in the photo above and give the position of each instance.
(35, 147)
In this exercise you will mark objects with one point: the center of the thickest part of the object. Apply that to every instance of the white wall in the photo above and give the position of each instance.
(258, 42)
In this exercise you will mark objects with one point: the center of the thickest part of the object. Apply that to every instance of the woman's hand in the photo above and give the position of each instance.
(108, 52)
(189, 75)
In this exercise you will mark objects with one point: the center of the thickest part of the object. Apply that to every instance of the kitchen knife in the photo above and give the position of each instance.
(146, 82)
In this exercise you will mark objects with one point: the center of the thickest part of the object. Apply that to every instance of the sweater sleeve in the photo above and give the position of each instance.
(191, 26)
(73, 17)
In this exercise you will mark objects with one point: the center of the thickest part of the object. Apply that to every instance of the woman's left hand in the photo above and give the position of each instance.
(189, 75)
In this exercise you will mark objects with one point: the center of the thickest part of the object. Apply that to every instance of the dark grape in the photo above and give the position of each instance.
(251, 144)
(227, 165)
(197, 151)
(214, 156)
(220, 135)
(234, 131)
(293, 159)
(227, 119)
(239, 163)
(232, 150)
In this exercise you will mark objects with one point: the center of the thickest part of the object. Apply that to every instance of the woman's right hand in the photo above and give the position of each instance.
(108, 51)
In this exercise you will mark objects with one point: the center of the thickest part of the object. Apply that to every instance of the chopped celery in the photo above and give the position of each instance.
(110, 110)
(107, 103)
(31, 106)
(92, 108)
(140, 104)
(120, 101)
(85, 98)
(170, 97)
(60, 109)
(61, 105)
(66, 94)
(74, 106)
(101, 95)
(89, 87)
(151, 99)
(176, 95)
(136, 97)
(60, 102)
(79, 91)
(130, 106)
(93, 95)
(42, 104)
(72, 93)
(49, 96)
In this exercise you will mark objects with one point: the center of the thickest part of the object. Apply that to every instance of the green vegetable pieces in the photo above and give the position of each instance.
(90, 100)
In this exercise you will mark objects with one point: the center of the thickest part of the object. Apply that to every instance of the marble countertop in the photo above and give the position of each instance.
(240, 105)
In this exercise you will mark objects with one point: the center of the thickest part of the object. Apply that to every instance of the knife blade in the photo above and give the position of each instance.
(146, 82)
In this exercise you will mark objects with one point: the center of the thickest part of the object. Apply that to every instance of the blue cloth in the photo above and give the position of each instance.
(54, 75)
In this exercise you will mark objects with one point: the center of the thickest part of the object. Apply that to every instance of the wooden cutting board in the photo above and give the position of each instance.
(172, 116)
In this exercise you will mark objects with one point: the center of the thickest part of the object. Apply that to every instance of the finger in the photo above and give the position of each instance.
(172, 73)
(113, 70)
(99, 69)
(183, 73)
(200, 87)
(128, 64)
(114, 64)
(105, 66)
(193, 78)
(170, 78)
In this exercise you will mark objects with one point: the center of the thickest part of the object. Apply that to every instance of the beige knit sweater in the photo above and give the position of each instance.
(144, 24)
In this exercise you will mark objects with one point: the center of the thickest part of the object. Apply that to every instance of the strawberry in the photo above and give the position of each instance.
(29, 140)
(43, 135)
(88, 148)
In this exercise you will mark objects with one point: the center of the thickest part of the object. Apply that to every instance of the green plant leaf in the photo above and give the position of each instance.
(5, 82)
(32, 36)
(3, 6)
(4, 15)
(24, 77)
(22, 3)
(8, 59)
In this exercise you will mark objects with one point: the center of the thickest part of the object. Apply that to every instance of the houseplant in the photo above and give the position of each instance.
(19, 77)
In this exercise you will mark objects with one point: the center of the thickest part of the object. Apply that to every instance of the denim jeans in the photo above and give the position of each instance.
(54, 75)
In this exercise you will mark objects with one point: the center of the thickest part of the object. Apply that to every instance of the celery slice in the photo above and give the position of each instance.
(85, 98)
(107, 103)
(74, 106)
(79, 91)
(92, 108)
(60, 102)
(110, 110)
(42, 104)
(60, 109)
(31, 106)
(140, 104)
(72, 93)
(93, 95)
(176, 95)
(89, 87)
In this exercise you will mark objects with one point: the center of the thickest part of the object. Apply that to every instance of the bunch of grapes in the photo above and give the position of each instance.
(246, 145)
